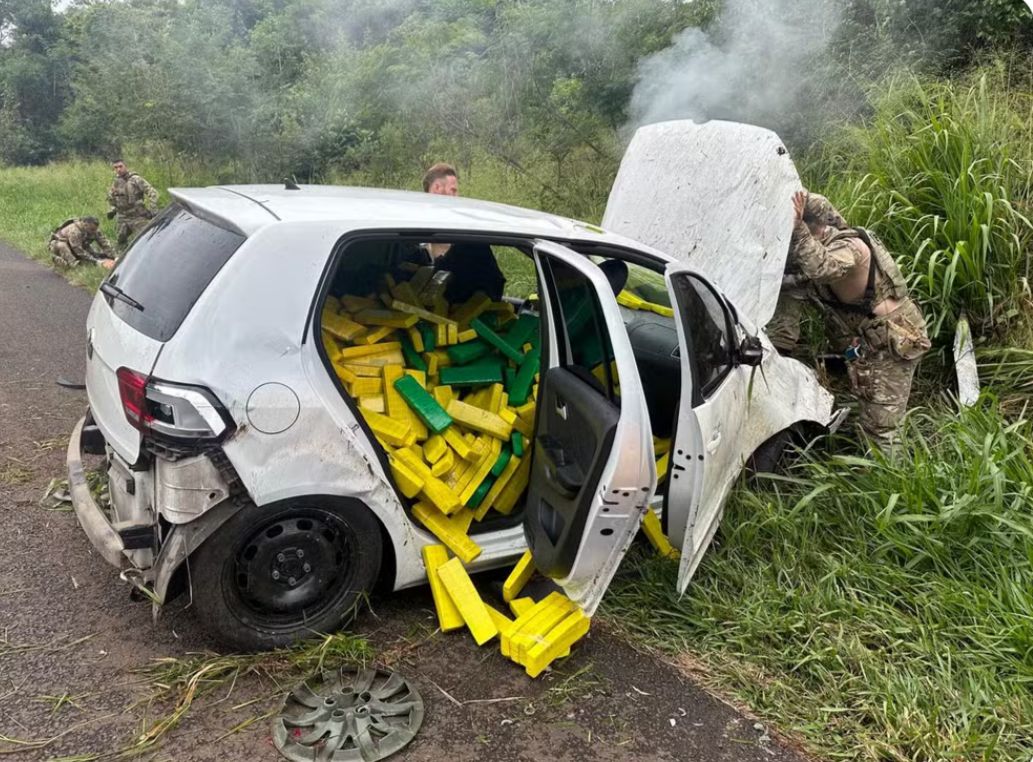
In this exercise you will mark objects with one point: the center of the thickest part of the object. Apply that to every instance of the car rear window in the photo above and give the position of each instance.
(167, 269)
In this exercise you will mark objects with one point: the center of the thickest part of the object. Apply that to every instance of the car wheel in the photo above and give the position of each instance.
(766, 458)
(274, 575)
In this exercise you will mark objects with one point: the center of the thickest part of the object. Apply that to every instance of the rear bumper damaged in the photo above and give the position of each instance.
(178, 541)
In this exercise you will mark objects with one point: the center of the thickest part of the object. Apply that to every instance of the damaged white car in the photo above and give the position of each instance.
(242, 471)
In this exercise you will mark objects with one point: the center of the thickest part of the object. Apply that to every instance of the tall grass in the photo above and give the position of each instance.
(943, 172)
(882, 608)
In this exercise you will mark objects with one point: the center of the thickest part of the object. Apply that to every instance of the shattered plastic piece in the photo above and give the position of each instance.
(348, 714)
(464, 595)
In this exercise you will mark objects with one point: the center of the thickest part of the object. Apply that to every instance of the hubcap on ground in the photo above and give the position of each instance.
(350, 714)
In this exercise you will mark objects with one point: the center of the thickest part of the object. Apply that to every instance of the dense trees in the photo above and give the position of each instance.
(261, 88)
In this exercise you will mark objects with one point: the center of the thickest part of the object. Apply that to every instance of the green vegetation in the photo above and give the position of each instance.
(880, 606)
(943, 172)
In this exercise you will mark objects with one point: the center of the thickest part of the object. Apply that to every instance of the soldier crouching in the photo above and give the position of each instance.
(73, 242)
(866, 303)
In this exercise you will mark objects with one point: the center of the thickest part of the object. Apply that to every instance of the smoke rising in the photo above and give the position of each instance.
(757, 63)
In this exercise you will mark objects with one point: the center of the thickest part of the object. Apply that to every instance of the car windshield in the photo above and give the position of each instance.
(167, 269)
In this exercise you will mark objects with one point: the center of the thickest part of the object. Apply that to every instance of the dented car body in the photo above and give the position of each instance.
(211, 399)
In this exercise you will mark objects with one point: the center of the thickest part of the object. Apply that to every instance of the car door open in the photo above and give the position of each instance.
(592, 473)
(706, 454)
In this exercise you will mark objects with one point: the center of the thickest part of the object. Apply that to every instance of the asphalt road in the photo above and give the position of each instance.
(72, 642)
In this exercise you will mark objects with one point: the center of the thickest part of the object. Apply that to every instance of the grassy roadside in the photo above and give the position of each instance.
(35, 200)
(877, 608)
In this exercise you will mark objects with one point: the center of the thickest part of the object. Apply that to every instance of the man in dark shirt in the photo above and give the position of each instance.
(472, 265)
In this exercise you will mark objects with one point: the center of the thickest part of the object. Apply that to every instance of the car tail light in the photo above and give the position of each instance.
(169, 410)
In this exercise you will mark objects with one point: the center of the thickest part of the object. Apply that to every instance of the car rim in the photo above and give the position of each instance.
(295, 568)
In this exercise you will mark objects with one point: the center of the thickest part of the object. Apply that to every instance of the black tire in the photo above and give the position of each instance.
(274, 575)
(767, 458)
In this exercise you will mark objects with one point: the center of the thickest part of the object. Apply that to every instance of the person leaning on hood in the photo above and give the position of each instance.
(866, 305)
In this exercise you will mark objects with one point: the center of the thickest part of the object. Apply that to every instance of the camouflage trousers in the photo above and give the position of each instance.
(784, 328)
(891, 347)
(128, 227)
(62, 254)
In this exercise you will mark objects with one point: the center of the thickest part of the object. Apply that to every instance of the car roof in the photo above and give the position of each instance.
(248, 208)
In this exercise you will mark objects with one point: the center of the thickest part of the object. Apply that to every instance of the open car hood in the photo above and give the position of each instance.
(717, 196)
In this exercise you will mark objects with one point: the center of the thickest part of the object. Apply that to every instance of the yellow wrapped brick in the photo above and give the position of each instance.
(396, 433)
(376, 335)
(463, 593)
(439, 525)
(479, 420)
(352, 303)
(434, 448)
(374, 402)
(368, 371)
(351, 354)
(362, 387)
(514, 488)
(409, 482)
(390, 318)
(445, 465)
(449, 617)
(342, 327)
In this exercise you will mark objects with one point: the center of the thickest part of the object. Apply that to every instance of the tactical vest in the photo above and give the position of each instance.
(879, 261)
(61, 227)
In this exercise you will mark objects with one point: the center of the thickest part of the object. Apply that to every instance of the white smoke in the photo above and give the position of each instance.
(755, 64)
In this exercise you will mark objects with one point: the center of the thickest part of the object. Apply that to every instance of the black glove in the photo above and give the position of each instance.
(111, 214)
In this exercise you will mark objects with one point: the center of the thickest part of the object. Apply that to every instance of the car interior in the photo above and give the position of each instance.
(579, 401)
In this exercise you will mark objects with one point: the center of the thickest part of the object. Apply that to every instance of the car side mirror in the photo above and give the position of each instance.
(751, 351)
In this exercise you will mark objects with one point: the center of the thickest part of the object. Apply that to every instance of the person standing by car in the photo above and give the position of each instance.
(472, 265)
(72, 242)
(866, 303)
(133, 202)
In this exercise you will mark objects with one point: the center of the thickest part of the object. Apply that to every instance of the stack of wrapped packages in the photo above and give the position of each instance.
(449, 392)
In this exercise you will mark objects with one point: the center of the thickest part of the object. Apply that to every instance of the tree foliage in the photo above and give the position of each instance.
(264, 88)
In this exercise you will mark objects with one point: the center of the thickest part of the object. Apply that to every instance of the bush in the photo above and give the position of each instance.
(943, 172)
(882, 607)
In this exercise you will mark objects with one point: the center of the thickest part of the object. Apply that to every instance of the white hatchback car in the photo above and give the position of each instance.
(240, 469)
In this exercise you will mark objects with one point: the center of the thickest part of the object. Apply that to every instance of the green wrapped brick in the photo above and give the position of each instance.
(501, 462)
(524, 330)
(488, 334)
(423, 404)
(517, 442)
(479, 374)
(468, 351)
(480, 493)
(523, 381)
(412, 357)
(430, 336)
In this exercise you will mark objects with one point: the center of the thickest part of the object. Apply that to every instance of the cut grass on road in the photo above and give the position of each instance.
(879, 608)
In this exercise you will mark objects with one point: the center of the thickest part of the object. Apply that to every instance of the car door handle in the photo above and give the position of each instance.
(565, 476)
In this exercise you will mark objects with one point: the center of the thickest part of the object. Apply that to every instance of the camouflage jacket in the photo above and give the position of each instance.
(132, 196)
(80, 241)
(823, 262)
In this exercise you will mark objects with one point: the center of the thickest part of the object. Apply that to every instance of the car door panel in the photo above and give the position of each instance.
(576, 427)
(592, 473)
(706, 454)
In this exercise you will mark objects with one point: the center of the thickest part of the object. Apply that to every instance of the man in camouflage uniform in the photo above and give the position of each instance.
(865, 298)
(133, 202)
(73, 240)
